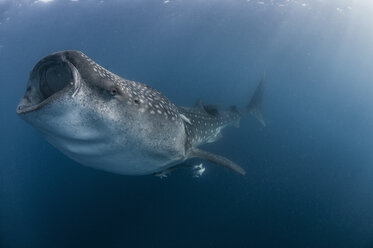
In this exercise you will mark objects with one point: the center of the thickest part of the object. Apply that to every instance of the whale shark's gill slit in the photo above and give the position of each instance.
(54, 77)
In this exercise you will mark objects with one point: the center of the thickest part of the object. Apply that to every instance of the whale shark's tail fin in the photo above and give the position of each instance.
(255, 103)
(195, 152)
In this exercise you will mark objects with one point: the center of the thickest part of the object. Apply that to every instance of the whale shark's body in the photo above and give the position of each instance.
(104, 121)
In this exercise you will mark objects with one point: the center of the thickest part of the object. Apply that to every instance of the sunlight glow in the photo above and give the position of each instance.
(43, 1)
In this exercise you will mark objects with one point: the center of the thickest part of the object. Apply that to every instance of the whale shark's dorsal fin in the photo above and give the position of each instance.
(195, 152)
(254, 106)
(211, 109)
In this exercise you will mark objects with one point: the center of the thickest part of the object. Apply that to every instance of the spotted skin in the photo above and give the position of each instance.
(205, 127)
(100, 119)
(110, 123)
(145, 97)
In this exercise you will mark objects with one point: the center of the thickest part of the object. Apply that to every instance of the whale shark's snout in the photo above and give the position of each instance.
(52, 77)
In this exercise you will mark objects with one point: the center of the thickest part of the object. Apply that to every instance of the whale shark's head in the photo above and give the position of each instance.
(68, 95)
(93, 115)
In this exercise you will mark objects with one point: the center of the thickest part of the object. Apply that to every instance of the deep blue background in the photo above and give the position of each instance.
(309, 179)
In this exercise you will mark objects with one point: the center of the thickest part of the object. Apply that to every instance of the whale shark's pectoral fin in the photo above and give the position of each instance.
(198, 153)
(196, 170)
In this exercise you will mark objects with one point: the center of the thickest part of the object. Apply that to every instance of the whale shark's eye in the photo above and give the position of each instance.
(113, 91)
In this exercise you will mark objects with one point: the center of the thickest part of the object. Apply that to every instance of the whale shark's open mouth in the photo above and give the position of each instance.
(50, 78)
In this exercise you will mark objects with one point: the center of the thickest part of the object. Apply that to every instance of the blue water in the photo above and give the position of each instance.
(309, 180)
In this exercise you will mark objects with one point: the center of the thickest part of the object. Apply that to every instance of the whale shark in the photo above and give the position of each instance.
(121, 126)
